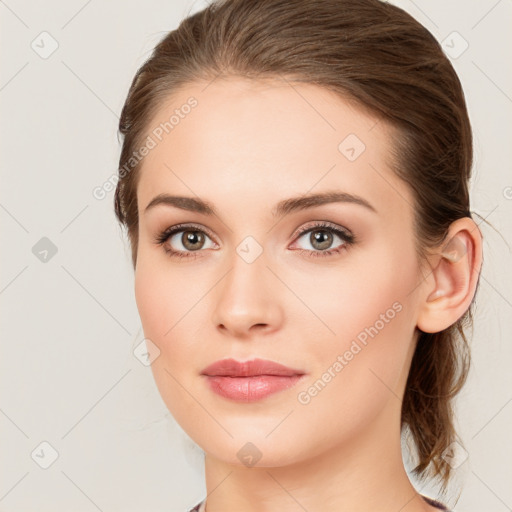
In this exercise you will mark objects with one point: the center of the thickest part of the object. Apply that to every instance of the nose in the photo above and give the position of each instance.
(247, 300)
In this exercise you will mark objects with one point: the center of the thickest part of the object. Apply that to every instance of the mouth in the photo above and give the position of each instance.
(250, 381)
(255, 367)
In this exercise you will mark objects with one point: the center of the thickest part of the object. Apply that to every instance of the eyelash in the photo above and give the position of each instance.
(347, 237)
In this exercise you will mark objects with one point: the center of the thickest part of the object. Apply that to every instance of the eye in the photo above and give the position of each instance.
(187, 240)
(183, 240)
(321, 237)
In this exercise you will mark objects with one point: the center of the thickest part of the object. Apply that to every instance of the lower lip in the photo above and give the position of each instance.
(250, 389)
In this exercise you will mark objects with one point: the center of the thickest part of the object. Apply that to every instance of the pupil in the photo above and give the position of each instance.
(191, 239)
(322, 238)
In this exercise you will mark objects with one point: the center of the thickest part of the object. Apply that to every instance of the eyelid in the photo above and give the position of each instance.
(303, 229)
(161, 237)
(342, 232)
(319, 224)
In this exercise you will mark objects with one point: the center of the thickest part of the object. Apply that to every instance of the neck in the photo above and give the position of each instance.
(364, 474)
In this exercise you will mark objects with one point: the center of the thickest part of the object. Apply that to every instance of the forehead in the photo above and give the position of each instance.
(243, 136)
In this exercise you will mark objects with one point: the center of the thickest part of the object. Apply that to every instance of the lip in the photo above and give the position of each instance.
(233, 368)
(249, 381)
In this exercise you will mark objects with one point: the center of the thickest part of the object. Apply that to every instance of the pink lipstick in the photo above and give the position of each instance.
(249, 381)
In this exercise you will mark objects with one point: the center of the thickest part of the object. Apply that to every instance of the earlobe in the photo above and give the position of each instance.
(452, 283)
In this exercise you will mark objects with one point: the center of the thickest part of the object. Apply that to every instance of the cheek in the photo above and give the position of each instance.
(353, 296)
(371, 311)
(152, 303)
(172, 303)
(162, 304)
(164, 294)
(163, 301)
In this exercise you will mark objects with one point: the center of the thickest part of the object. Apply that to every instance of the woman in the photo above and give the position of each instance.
(294, 184)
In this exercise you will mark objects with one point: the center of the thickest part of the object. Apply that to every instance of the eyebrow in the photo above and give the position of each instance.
(281, 209)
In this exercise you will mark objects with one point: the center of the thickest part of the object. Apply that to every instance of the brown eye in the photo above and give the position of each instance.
(320, 239)
(184, 240)
(188, 240)
(192, 240)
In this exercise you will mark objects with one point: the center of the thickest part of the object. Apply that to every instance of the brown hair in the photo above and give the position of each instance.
(379, 56)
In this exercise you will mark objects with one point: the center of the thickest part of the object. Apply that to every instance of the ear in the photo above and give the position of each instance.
(448, 290)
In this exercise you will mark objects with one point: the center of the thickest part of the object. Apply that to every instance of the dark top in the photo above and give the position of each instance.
(430, 501)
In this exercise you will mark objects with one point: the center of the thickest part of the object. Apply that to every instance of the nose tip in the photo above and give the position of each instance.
(245, 302)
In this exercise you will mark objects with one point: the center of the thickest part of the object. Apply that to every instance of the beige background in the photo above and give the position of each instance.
(69, 324)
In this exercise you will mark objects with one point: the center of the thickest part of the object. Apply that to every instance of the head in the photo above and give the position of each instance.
(245, 106)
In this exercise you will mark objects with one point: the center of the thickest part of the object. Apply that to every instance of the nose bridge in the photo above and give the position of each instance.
(245, 297)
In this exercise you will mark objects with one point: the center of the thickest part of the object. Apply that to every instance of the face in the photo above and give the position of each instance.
(328, 288)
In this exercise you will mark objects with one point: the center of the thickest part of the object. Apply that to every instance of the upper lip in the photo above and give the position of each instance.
(233, 368)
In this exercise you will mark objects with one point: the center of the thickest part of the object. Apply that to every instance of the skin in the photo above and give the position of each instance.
(245, 147)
